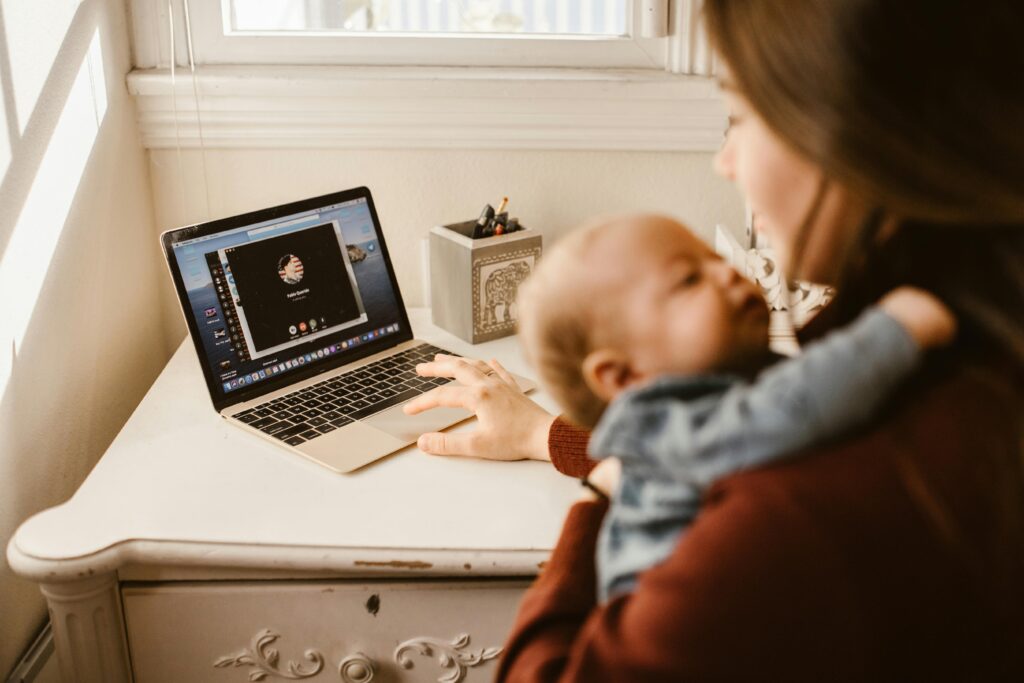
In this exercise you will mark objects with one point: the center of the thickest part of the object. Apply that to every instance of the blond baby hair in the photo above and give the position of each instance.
(560, 321)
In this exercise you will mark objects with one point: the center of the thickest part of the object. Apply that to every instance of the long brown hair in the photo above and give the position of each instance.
(917, 106)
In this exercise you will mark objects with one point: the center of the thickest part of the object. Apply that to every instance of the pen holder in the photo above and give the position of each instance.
(474, 282)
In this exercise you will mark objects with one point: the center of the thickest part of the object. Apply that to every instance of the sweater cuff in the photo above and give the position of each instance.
(567, 445)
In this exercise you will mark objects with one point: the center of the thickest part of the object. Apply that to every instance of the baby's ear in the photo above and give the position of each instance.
(607, 372)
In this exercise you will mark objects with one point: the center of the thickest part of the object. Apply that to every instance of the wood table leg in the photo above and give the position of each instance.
(88, 630)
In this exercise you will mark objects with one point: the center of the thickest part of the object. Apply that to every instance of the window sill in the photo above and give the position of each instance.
(427, 108)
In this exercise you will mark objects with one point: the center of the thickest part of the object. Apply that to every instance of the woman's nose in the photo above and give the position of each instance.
(724, 163)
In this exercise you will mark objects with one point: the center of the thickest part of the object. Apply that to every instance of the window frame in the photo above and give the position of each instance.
(675, 107)
(212, 46)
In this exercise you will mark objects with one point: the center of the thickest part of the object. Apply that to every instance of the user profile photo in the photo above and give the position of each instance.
(289, 267)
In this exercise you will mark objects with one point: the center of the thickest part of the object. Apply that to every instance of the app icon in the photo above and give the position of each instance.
(308, 357)
(210, 312)
(302, 327)
(282, 367)
(234, 383)
(292, 329)
(263, 374)
(227, 386)
(255, 376)
(312, 323)
(364, 337)
(301, 361)
(220, 333)
(344, 344)
(225, 364)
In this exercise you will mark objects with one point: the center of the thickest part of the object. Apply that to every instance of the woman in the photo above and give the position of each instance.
(879, 144)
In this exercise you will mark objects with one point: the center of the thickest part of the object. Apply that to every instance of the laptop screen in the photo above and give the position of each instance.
(273, 297)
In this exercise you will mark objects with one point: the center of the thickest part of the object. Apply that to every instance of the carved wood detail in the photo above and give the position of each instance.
(264, 658)
(88, 629)
(357, 668)
(449, 655)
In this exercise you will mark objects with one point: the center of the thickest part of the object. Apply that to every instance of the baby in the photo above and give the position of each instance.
(644, 334)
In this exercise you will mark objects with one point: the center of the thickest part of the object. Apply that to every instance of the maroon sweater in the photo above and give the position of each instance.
(894, 554)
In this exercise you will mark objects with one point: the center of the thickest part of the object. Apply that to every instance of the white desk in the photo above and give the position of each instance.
(194, 551)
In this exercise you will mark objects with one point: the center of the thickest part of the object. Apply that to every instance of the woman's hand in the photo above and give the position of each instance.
(512, 427)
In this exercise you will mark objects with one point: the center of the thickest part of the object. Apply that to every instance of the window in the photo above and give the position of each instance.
(373, 74)
(524, 17)
(516, 33)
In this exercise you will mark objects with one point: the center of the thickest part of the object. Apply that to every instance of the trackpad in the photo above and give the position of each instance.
(409, 427)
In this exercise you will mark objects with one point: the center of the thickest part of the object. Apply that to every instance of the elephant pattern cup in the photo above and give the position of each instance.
(474, 283)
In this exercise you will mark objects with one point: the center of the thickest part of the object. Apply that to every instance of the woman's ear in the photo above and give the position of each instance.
(607, 372)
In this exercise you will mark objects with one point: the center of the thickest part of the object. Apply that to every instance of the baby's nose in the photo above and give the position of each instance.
(724, 273)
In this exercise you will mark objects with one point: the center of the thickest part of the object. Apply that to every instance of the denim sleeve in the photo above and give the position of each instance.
(835, 384)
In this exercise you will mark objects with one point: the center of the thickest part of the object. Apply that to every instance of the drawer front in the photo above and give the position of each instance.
(378, 632)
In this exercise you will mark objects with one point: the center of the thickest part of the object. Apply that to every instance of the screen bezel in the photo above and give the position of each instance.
(219, 397)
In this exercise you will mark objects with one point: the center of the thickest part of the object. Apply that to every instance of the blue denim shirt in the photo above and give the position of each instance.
(678, 435)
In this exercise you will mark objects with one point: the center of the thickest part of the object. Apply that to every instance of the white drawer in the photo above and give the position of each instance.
(318, 630)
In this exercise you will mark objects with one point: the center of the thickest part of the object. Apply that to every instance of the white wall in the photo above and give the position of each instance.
(414, 190)
(80, 321)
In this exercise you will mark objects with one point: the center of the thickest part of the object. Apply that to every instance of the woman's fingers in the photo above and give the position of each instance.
(504, 374)
(443, 443)
(441, 366)
(441, 397)
(465, 370)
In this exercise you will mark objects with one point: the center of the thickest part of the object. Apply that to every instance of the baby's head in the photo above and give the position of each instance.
(626, 299)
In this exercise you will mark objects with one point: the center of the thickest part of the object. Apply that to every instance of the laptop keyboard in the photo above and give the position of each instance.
(323, 407)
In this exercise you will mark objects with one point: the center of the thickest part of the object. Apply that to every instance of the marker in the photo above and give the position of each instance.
(481, 223)
(503, 206)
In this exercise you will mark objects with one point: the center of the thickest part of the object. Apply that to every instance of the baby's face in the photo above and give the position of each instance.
(684, 309)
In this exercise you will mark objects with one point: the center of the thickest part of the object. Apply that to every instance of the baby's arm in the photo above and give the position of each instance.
(833, 385)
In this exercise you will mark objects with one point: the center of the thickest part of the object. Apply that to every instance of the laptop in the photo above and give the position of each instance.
(301, 331)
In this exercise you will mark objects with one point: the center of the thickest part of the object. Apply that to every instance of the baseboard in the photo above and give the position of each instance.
(35, 658)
